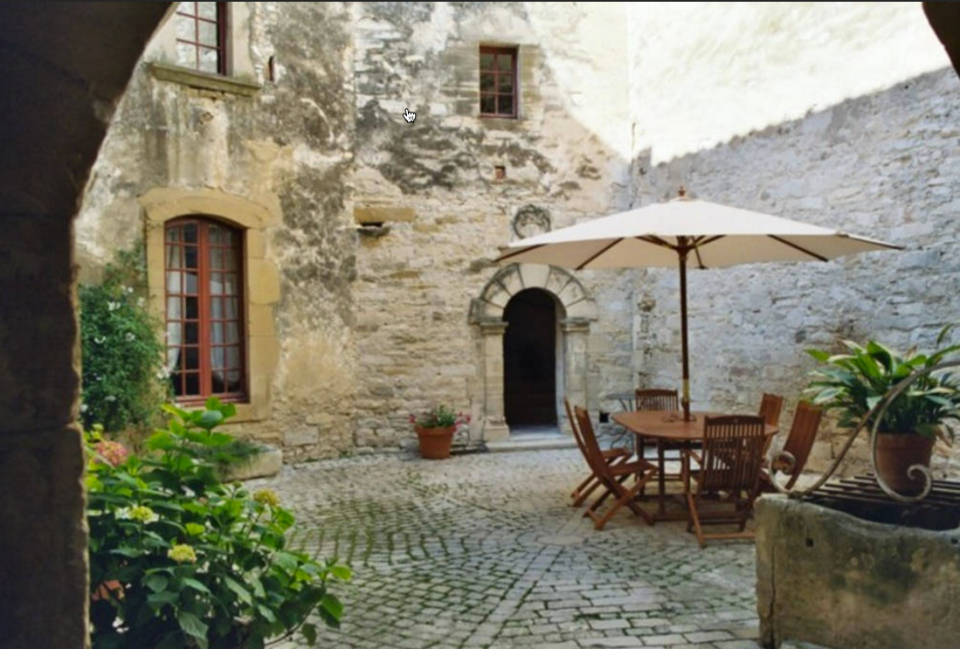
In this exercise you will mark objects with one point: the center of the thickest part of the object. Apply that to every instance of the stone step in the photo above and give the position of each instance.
(532, 443)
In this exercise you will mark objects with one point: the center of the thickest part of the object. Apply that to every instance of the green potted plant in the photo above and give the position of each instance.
(853, 383)
(435, 430)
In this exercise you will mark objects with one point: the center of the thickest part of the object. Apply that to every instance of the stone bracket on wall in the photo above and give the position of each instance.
(487, 312)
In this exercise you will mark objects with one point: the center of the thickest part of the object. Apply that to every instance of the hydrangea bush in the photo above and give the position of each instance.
(178, 559)
(124, 377)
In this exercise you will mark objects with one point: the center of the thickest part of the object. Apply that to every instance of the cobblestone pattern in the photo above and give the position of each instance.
(484, 551)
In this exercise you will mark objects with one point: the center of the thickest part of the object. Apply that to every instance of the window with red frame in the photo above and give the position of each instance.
(201, 36)
(498, 81)
(204, 309)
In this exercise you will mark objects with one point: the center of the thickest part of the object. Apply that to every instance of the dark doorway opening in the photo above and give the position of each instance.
(530, 360)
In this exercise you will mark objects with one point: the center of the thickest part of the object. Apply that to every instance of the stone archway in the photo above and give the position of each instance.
(487, 313)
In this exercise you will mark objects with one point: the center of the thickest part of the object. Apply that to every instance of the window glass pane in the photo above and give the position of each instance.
(173, 358)
(230, 288)
(186, 55)
(505, 83)
(208, 33)
(233, 381)
(231, 310)
(173, 234)
(216, 333)
(216, 308)
(192, 358)
(191, 287)
(208, 60)
(233, 357)
(174, 257)
(216, 234)
(173, 333)
(192, 310)
(216, 357)
(504, 62)
(193, 333)
(190, 256)
(176, 381)
(228, 237)
(488, 104)
(218, 379)
(486, 61)
(186, 28)
(186, 8)
(173, 282)
(230, 257)
(207, 10)
(216, 257)
(216, 283)
(193, 384)
(486, 82)
(233, 332)
(505, 104)
(190, 233)
(173, 309)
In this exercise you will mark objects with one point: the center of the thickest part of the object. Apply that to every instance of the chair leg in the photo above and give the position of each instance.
(625, 497)
(695, 519)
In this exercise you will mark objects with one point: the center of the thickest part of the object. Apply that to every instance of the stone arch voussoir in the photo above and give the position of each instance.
(567, 289)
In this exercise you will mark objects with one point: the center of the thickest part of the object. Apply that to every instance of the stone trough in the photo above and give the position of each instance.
(831, 578)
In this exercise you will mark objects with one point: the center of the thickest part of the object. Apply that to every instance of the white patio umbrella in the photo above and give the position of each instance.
(683, 231)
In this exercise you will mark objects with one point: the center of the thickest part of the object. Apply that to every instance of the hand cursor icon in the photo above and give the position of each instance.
(407, 115)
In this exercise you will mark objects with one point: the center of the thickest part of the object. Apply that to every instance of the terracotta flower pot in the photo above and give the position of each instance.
(896, 453)
(435, 443)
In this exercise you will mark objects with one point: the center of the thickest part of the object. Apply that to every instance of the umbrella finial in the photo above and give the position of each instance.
(682, 192)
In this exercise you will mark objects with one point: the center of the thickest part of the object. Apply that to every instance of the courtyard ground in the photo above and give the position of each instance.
(483, 550)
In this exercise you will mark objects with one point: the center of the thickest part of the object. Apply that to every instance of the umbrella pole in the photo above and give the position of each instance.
(683, 330)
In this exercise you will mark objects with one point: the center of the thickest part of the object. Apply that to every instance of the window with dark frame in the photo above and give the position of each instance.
(201, 36)
(498, 81)
(204, 309)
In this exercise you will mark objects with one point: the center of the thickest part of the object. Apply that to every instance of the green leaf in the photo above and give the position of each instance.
(193, 627)
(287, 561)
(212, 403)
(156, 582)
(819, 355)
(341, 572)
(194, 529)
(242, 593)
(163, 597)
(132, 553)
(228, 410)
(332, 606)
(196, 585)
(267, 613)
(210, 419)
(309, 633)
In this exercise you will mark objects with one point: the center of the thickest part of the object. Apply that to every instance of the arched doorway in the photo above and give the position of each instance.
(530, 361)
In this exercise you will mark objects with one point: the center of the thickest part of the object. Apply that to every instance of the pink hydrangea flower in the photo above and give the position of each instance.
(114, 453)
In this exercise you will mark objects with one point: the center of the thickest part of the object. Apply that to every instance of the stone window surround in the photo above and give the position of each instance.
(487, 312)
(261, 277)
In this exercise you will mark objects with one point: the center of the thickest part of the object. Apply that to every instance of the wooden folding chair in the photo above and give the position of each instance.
(658, 399)
(803, 433)
(613, 477)
(731, 463)
(611, 456)
(770, 407)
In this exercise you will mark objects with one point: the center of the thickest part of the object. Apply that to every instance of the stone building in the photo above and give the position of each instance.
(349, 271)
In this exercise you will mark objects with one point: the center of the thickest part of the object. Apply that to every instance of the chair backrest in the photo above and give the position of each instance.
(657, 399)
(732, 453)
(803, 432)
(576, 430)
(770, 407)
(590, 445)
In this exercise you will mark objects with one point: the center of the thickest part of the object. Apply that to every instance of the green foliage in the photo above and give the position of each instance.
(439, 417)
(178, 559)
(122, 353)
(236, 452)
(852, 384)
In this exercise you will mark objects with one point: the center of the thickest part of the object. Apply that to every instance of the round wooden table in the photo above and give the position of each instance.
(668, 427)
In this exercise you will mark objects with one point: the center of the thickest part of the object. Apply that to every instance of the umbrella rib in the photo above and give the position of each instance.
(796, 247)
(600, 252)
(657, 241)
(519, 252)
(699, 259)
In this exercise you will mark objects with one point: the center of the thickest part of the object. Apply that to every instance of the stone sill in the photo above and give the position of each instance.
(203, 80)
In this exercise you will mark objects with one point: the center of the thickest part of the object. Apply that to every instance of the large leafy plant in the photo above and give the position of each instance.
(853, 383)
(178, 559)
(123, 370)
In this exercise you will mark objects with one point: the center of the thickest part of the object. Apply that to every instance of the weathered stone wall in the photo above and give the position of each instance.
(288, 148)
(882, 165)
(416, 346)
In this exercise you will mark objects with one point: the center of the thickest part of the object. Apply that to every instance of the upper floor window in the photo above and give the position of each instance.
(498, 81)
(201, 36)
(204, 302)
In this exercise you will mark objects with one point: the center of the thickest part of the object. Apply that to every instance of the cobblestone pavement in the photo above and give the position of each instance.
(484, 551)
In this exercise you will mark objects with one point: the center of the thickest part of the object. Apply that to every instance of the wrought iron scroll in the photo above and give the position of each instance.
(785, 460)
